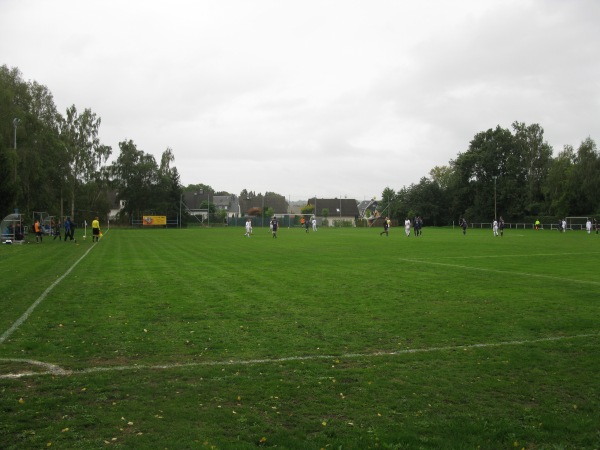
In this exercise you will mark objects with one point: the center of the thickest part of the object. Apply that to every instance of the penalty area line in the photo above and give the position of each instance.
(517, 256)
(504, 272)
(56, 370)
(39, 300)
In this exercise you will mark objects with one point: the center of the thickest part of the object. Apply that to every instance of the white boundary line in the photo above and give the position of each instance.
(506, 272)
(517, 256)
(55, 370)
(50, 368)
(39, 300)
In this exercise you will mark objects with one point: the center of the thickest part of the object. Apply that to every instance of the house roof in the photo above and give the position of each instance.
(367, 204)
(276, 202)
(113, 199)
(222, 201)
(346, 207)
(295, 209)
(194, 200)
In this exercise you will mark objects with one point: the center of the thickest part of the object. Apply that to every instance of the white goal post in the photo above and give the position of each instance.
(576, 223)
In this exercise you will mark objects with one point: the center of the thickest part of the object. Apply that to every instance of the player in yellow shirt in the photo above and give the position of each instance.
(95, 229)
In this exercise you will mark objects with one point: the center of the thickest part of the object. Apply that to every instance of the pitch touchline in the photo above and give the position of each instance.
(506, 272)
(27, 313)
(56, 370)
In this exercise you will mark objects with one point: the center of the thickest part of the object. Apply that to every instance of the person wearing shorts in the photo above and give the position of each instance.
(95, 230)
(38, 231)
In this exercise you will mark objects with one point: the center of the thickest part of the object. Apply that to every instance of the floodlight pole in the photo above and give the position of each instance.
(16, 122)
(180, 200)
(201, 192)
(495, 177)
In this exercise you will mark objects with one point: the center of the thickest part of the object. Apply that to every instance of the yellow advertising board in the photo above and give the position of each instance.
(154, 220)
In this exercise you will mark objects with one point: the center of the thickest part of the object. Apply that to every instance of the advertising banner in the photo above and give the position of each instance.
(154, 220)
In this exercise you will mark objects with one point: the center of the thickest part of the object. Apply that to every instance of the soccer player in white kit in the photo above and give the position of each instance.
(407, 226)
(248, 227)
(495, 227)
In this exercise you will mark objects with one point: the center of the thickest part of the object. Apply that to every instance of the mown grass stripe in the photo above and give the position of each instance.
(40, 299)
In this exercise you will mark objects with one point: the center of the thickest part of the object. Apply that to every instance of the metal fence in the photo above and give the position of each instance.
(524, 226)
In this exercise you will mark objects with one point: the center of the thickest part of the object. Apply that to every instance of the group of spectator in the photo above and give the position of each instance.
(14, 230)
(55, 230)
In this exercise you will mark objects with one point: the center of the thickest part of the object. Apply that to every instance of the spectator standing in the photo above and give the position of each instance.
(69, 233)
(38, 231)
(56, 231)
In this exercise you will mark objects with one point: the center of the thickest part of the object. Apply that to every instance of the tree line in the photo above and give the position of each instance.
(504, 172)
(55, 162)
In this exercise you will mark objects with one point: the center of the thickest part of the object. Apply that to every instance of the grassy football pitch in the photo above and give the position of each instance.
(340, 338)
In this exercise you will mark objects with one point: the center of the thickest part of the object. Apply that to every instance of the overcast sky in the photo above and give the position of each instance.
(336, 98)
